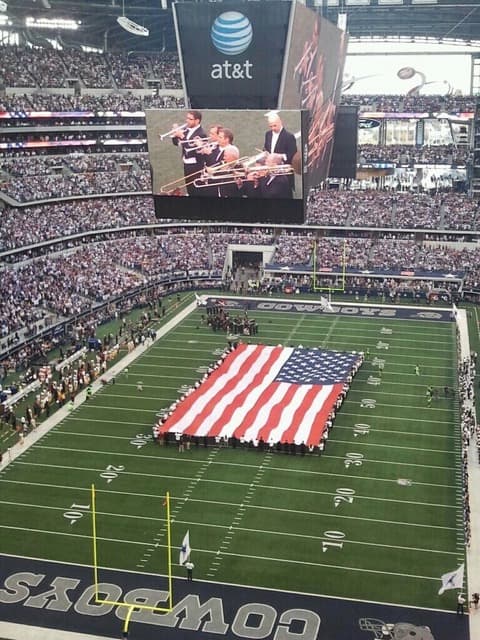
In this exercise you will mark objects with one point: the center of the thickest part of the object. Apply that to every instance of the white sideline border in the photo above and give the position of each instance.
(34, 436)
(15, 631)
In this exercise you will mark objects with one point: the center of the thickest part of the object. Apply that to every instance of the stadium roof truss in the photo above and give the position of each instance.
(365, 18)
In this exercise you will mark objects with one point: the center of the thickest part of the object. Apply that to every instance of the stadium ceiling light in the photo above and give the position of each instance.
(131, 26)
(52, 23)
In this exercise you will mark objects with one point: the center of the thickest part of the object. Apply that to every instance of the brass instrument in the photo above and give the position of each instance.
(194, 139)
(175, 129)
(263, 170)
(225, 165)
(180, 183)
(203, 174)
(224, 175)
(243, 169)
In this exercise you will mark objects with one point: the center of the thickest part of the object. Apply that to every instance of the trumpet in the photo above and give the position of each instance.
(175, 129)
(200, 144)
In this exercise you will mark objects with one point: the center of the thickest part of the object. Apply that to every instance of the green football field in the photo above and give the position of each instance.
(378, 516)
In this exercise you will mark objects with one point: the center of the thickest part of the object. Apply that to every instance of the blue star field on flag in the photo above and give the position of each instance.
(317, 366)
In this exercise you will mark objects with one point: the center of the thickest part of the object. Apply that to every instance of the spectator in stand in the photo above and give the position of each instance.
(415, 103)
(48, 67)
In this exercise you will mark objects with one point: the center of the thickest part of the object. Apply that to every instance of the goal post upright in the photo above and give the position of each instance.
(131, 606)
(94, 543)
(343, 272)
(169, 552)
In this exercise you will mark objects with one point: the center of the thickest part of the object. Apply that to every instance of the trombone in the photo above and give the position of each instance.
(180, 183)
(262, 170)
(205, 173)
(229, 171)
(242, 174)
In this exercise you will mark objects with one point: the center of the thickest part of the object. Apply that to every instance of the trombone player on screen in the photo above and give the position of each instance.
(188, 137)
(280, 143)
(271, 180)
(220, 180)
(213, 153)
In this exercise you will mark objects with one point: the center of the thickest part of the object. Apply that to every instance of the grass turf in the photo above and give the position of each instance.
(262, 519)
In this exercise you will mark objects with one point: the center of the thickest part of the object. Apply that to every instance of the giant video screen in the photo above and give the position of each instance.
(313, 71)
(229, 165)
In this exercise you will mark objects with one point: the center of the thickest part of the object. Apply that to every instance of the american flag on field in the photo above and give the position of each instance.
(274, 393)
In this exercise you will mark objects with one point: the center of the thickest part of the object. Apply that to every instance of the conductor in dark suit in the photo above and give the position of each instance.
(280, 142)
(188, 138)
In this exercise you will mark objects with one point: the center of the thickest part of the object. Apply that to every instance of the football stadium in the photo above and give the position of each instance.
(239, 333)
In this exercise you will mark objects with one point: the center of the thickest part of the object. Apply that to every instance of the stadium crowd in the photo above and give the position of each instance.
(64, 285)
(43, 67)
(408, 155)
(411, 104)
(49, 187)
(388, 252)
(81, 175)
(111, 102)
(392, 209)
(468, 426)
(76, 369)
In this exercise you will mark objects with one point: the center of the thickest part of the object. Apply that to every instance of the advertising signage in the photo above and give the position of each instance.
(232, 55)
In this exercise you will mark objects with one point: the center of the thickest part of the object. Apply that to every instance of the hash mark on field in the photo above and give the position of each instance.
(241, 510)
(179, 504)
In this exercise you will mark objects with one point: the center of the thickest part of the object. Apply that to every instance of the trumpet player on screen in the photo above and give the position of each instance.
(187, 138)
(211, 150)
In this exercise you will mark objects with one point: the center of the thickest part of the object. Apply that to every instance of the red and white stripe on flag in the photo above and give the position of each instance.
(242, 398)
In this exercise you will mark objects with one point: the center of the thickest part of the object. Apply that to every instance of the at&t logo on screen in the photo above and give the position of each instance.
(231, 34)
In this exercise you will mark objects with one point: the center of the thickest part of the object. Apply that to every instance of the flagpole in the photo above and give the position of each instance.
(169, 552)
